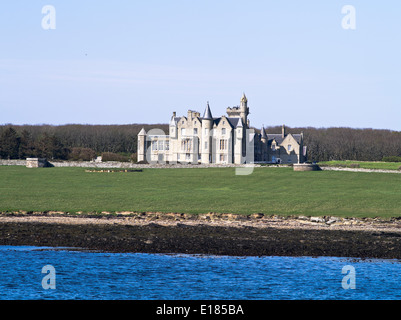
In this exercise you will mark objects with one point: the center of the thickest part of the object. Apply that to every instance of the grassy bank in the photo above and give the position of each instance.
(381, 165)
(279, 191)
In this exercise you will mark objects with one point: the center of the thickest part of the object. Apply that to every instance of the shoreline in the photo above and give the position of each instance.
(214, 234)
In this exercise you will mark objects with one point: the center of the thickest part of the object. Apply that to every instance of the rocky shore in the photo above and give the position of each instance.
(212, 233)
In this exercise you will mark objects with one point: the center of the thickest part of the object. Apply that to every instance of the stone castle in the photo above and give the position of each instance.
(224, 140)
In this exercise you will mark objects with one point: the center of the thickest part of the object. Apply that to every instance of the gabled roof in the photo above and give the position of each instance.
(278, 137)
(297, 137)
(235, 122)
(183, 118)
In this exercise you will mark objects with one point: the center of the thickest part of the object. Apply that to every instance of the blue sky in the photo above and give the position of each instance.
(122, 62)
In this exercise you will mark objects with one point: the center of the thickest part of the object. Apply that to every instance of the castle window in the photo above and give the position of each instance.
(154, 145)
(223, 144)
(160, 145)
(289, 147)
(195, 131)
(273, 147)
(183, 131)
(205, 144)
(223, 131)
(186, 145)
(167, 145)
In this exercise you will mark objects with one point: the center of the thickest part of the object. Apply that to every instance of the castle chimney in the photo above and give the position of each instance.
(283, 131)
(174, 114)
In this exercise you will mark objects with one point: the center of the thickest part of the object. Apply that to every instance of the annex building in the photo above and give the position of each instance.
(222, 140)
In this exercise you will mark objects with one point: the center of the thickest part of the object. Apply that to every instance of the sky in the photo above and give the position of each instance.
(124, 62)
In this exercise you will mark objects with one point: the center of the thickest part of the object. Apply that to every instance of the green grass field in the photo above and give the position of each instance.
(364, 164)
(279, 191)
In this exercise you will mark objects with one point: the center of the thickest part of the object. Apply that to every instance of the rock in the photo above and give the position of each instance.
(257, 215)
(317, 219)
(331, 221)
(124, 213)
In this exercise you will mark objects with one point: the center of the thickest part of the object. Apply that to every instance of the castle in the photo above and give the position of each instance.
(227, 139)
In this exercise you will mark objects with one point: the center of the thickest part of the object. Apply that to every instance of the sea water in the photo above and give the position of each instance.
(58, 274)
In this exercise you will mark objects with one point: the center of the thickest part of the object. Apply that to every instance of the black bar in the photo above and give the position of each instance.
(199, 309)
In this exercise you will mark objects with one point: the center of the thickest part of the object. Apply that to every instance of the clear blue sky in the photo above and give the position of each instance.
(121, 62)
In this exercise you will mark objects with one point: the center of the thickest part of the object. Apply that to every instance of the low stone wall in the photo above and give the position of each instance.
(116, 164)
(126, 165)
(12, 162)
(306, 167)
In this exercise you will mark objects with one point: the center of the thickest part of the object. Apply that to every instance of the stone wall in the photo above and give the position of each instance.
(36, 162)
(115, 164)
(4, 162)
(306, 167)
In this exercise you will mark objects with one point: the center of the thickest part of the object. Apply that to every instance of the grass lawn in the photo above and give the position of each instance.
(364, 164)
(267, 190)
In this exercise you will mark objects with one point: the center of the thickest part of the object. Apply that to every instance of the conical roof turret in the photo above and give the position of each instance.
(208, 114)
(263, 133)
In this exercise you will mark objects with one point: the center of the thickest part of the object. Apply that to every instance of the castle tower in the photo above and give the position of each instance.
(207, 126)
(263, 147)
(244, 110)
(239, 144)
(141, 147)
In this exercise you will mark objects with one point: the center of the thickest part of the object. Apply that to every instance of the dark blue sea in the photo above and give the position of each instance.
(59, 274)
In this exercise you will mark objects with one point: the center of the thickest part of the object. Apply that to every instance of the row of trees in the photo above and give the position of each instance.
(71, 142)
(20, 145)
(325, 144)
(85, 142)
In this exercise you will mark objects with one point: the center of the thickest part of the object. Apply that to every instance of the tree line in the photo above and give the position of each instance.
(119, 142)
(71, 142)
(325, 144)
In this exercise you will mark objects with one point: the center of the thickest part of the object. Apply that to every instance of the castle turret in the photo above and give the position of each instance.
(263, 146)
(207, 126)
(173, 127)
(263, 136)
(141, 145)
(244, 110)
